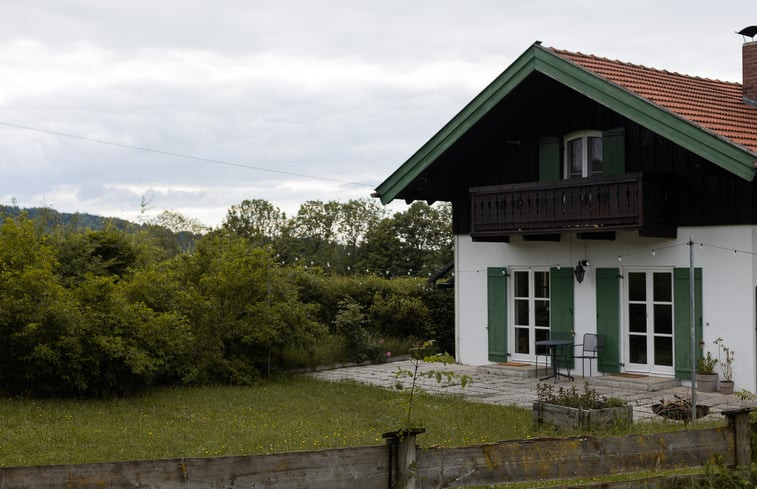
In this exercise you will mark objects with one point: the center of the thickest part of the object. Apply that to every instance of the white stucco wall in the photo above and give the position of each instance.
(728, 286)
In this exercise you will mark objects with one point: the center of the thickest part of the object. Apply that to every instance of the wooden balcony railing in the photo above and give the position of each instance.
(619, 202)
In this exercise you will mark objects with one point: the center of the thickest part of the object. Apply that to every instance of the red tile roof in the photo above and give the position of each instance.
(714, 105)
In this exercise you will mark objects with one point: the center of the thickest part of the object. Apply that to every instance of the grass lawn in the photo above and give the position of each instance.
(285, 414)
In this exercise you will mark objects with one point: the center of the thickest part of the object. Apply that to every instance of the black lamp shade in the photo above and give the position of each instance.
(580, 272)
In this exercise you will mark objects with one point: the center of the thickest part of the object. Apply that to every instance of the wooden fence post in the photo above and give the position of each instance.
(407, 465)
(392, 440)
(738, 419)
(406, 461)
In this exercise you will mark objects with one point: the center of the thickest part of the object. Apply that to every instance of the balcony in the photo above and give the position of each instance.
(629, 202)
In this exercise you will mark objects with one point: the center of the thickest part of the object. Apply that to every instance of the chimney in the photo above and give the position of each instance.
(749, 67)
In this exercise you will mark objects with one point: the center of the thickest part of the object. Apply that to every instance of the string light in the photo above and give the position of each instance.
(558, 266)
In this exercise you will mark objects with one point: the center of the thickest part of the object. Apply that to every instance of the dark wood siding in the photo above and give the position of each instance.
(503, 148)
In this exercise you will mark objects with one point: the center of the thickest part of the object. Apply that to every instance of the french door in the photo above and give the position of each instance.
(531, 302)
(649, 321)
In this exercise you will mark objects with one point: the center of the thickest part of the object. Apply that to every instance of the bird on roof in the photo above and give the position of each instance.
(750, 31)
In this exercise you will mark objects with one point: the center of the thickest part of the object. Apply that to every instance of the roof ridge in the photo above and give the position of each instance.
(560, 52)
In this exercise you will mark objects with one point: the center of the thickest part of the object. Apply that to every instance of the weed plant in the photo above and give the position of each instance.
(333, 350)
(713, 476)
(588, 399)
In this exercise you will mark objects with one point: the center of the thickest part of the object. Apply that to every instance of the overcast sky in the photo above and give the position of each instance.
(342, 90)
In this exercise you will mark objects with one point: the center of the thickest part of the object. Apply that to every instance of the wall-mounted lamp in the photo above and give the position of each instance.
(580, 271)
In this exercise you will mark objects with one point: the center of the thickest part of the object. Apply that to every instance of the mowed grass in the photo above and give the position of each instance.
(286, 414)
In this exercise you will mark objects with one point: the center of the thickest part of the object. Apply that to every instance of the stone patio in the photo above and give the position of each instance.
(516, 386)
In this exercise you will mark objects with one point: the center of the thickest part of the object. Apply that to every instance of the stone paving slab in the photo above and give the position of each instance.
(495, 388)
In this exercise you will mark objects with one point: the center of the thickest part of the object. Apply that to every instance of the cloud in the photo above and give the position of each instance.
(337, 89)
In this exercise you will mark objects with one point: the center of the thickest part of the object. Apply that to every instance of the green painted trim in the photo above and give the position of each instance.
(550, 160)
(608, 318)
(694, 138)
(682, 322)
(455, 128)
(561, 307)
(614, 151)
(496, 303)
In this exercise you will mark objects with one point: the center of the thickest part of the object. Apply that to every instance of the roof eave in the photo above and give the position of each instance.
(724, 153)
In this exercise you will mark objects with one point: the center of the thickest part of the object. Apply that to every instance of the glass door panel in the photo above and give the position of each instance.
(531, 312)
(649, 322)
(522, 312)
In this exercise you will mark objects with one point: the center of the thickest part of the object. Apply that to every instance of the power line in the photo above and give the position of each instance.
(182, 155)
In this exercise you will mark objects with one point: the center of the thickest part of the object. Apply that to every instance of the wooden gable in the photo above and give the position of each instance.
(498, 140)
(522, 97)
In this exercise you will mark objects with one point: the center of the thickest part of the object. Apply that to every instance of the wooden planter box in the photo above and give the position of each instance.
(562, 416)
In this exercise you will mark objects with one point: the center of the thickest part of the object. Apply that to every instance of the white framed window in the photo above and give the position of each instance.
(531, 318)
(649, 322)
(583, 154)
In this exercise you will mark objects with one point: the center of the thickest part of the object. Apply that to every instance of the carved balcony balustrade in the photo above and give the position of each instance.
(636, 201)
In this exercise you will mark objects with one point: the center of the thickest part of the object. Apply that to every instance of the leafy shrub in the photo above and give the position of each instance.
(109, 312)
(400, 316)
(589, 399)
(360, 344)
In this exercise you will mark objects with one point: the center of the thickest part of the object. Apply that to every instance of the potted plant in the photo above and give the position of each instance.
(571, 409)
(725, 358)
(706, 377)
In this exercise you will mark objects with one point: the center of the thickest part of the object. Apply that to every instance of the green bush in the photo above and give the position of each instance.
(360, 343)
(401, 316)
(109, 312)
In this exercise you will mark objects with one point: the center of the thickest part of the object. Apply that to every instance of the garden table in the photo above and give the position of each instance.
(554, 346)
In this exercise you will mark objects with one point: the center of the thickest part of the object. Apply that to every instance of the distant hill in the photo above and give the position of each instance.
(76, 220)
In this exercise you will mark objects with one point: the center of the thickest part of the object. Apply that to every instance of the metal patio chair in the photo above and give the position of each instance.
(589, 351)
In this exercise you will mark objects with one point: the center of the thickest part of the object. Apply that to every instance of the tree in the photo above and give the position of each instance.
(36, 313)
(257, 220)
(185, 229)
(382, 251)
(356, 217)
(244, 306)
(317, 220)
(106, 252)
(127, 345)
(417, 241)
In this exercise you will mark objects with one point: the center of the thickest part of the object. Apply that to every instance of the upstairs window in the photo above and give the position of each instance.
(583, 154)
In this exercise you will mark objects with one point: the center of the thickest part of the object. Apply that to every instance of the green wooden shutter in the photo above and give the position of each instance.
(561, 307)
(682, 328)
(549, 159)
(614, 151)
(496, 293)
(608, 318)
